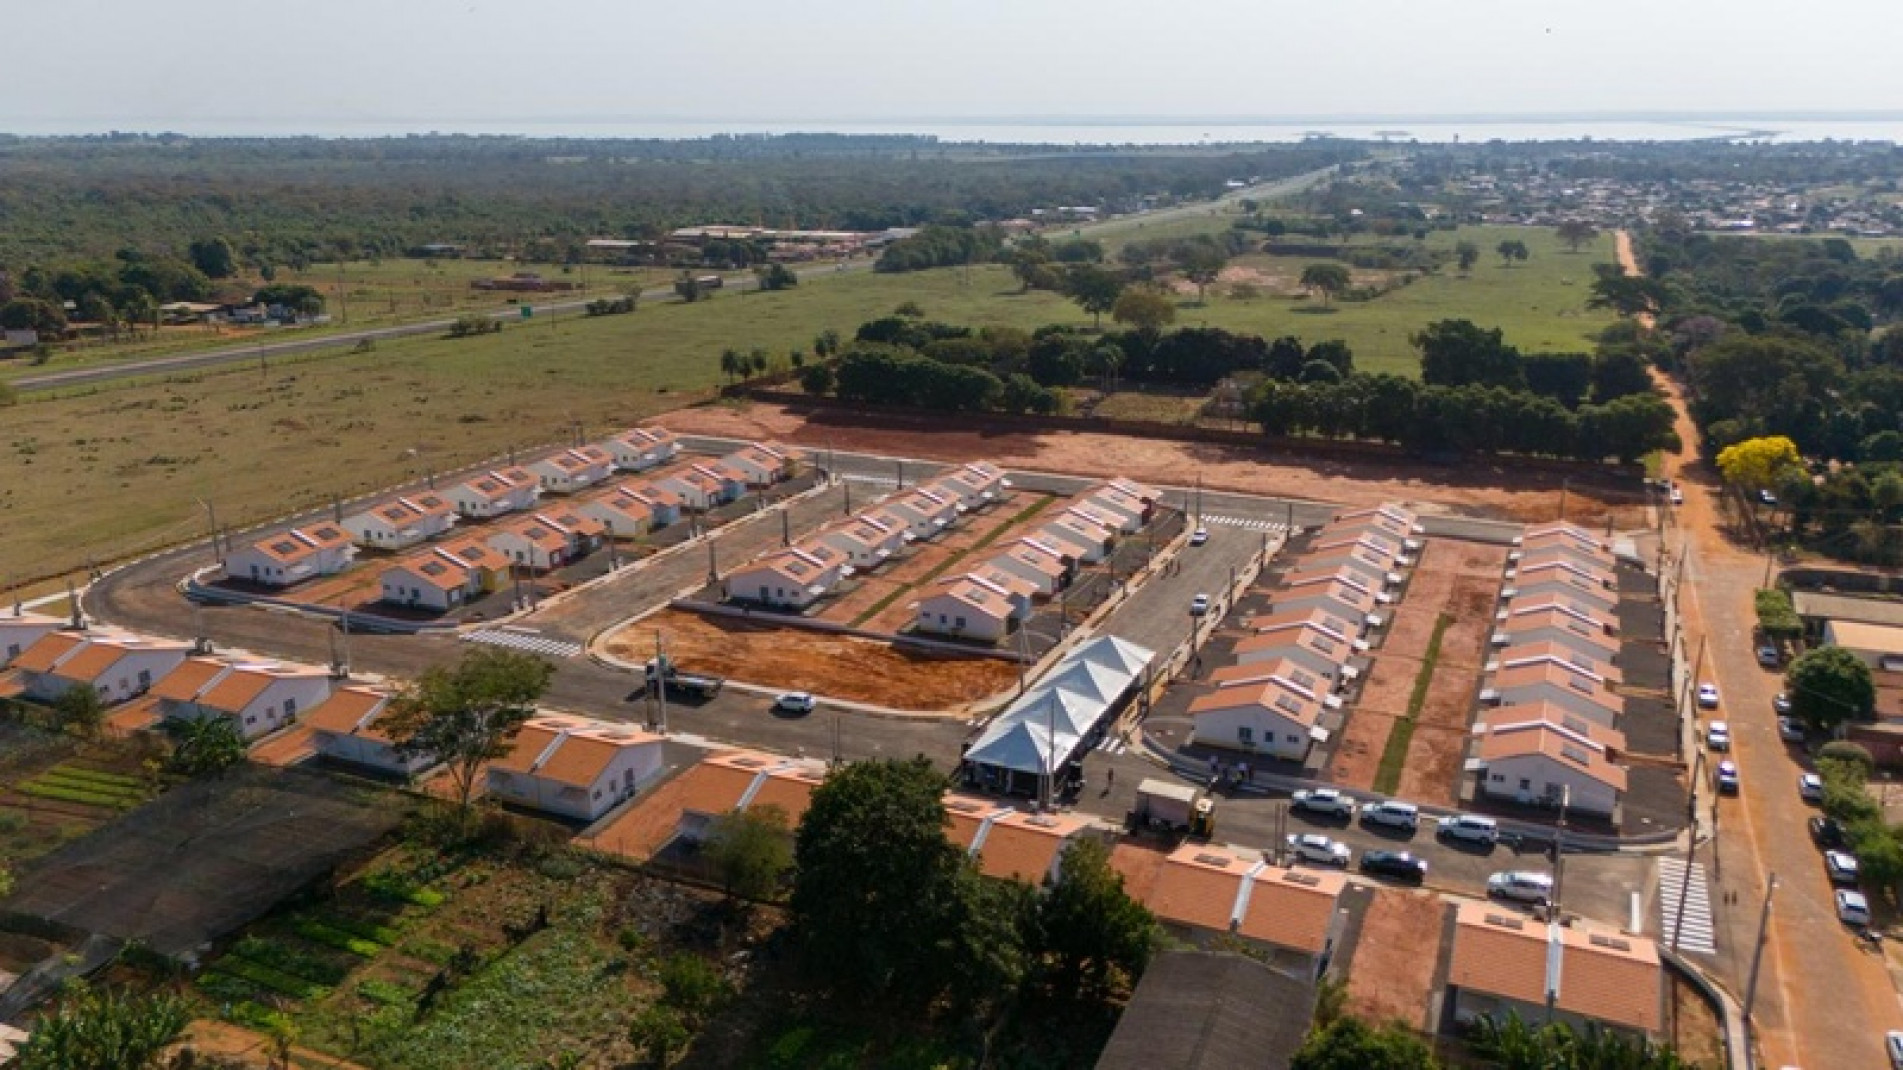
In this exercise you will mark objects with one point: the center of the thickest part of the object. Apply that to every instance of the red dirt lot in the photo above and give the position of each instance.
(1494, 489)
(1432, 771)
(834, 666)
(1392, 974)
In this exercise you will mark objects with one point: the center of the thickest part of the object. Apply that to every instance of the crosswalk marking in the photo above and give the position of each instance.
(1250, 523)
(1697, 933)
(1113, 745)
(522, 639)
(877, 481)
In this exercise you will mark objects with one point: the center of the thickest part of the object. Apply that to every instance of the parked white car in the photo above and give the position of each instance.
(1810, 787)
(1525, 886)
(1842, 867)
(1327, 801)
(1707, 696)
(1852, 908)
(1320, 850)
(1471, 828)
(1718, 735)
(1396, 815)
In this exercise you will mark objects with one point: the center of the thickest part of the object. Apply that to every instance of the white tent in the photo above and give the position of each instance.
(1061, 715)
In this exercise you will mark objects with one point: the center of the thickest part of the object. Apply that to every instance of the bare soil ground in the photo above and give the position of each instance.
(1392, 975)
(1694, 1026)
(1363, 737)
(1432, 770)
(961, 546)
(835, 666)
(239, 1046)
(1476, 488)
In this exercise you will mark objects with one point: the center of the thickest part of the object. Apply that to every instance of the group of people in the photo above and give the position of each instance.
(1221, 772)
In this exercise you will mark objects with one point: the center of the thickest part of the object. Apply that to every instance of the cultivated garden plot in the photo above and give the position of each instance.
(54, 789)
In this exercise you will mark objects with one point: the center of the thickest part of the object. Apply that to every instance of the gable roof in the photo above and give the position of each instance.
(295, 544)
(1021, 846)
(1594, 972)
(351, 711)
(1204, 1010)
(1198, 884)
(1554, 741)
(573, 751)
(99, 653)
(1292, 908)
(1560, 677)
(48, 650)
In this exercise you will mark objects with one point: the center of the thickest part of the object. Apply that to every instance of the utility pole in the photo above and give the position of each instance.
(847, 483)
(612, 563)
(660, 680)
(1564, 486)
(343, 666)
(713, 564)
(1559, 851)
(211, 515)
(786, 528)
(1757, 953)
(901, 465)
(1691, 852)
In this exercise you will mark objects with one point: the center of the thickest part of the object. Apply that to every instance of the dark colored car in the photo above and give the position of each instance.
(1828, 833)
(1397, 864)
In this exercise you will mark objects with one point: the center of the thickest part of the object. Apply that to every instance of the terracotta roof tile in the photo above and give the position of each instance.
(1292, 908)
(1198, 885)
(789, 789)
(1611, 977)
(1499, 952)
(344, 711)
(1022, 846)
(186, 681)
(50, 647)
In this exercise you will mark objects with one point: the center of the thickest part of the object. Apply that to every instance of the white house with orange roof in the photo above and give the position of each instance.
(1134, 510)
(1143, 492)
(1552, 626)
(1357, 574)
(257, 697)
(697, 488)
(1039, 562)
(345, 728)
(584, 533)
(792, 578)
(1540, 753)
(495, 492)
(640, 448)
(1011, 844)
(22, 630)
(1312, 644)
(977, 484)
(971, 607)
(574, 767)
(867, 544)
(1373, 540)
(570, 470)
(1538, 605)
(1584, 693)
(1341, 597)
(1583, 974)
(662, 504)
(1202, 892)
(1272, 708)
(1081, 539)
(531, 542)
(293, 555)
(1548, 584)
(765, 463)
(118, 665)
(440, 578)
(628, 516)
(1515, 655)
(1114, 521)
(403, 522)
(926, 511)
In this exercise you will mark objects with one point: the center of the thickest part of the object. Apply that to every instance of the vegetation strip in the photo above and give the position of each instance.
(879, 607)
(1387, 776)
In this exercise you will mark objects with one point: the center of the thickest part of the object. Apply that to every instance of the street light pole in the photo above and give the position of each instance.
(1757, 953)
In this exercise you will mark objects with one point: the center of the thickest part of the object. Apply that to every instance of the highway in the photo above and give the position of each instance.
(206, 358)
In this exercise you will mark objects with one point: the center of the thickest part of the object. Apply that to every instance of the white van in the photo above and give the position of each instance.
(1525, 886)
(1472, 828)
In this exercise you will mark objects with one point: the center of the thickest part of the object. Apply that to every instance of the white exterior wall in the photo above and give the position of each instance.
(769, 587)
(632, 769)
(1546, 777)
(1269, 732)
(521, 551)
(401, 587)
(133, 674)
(941, 613)
(1045, 582)
(360, 750)
(371, 530)
(18, 633)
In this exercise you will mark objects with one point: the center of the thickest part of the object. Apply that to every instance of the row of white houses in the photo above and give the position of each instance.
(796, 576)
(1323, 603)
(1550, 702)
(989, 600)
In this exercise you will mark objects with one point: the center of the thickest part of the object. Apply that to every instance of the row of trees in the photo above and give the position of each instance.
(1463, 419)
(1458, 352)
(1509, 1043)
(890, 375)
(940, 246)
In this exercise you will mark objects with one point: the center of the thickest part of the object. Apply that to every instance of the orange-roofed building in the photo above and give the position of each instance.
(1591, 977)
(401, 523)
(22, 630)
(1293, 909)
(345, 728)
(640, 448)
(575, 767)
(1541, 753)
(293, 555)
(495, 492)
(1026, 847)
(118, 665)
(1204, 890)
(257, 697)
(765, 463)
(571, 470)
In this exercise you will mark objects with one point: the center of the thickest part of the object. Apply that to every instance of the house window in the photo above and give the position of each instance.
(763, 592)
(145, 679)
(13, 651)
(1499, 778)
(290, 707)
(1245, 734)
(1525, 784)
(251, 720)
(959, 623)
(1293, 738)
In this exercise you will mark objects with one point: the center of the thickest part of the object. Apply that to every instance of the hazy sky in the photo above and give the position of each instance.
(202, 65)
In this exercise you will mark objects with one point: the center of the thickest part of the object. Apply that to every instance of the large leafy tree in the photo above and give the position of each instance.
(1575, 233)
(1088, 930)
(1094, 289)
(1201, 263)
(876, 884)
(1828, 686)
(204, 746)
(105, 1030)
(1325, 279)
(1145, 309)
(1459, 352)
(751, 850)
(1758, 463)
(467, 713)
(1352, 1044)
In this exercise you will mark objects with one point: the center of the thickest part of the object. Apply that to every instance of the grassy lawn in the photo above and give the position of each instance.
(112, 470)
(1156, 408)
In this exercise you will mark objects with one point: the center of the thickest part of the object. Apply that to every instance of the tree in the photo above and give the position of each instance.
(875, 882)
(213, 256)
(659, 1033)
(1351, 1044)
(1510, 250)
(1758, 463)
(1466, 254)
(1201, 263)
(1326, 279)
(303, 300)
(750, 850)
(32, 314)
(733, 365)
(1575, 233)
(1829, 685)
(1457, 352)
(203, 746)
(826, 343)
(1564, 377)
(1511, 1044)
(1094, 289)
(1144, 308)
(90, 1029)
(693, 986)
(816, 378)
(467, 713)
(776, 277)
(1088, 931)
(1617, 373)
(81, 711)
(1632, 296)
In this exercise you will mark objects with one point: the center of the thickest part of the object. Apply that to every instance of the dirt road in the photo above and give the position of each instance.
(1493, 489)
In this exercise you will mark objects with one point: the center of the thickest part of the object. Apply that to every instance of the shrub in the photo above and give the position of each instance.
(1777, 617)
(387, 935)
(74, 795)
(225, 988)
(74, 772)
(289, 960)
(1842, 750)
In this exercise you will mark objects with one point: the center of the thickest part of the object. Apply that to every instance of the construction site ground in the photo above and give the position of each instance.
(1498, 489)
(1392, 974)
(886, 599)
(844, 667)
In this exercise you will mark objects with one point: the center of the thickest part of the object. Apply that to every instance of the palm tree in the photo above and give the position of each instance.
(732, 364)
(95, 1030)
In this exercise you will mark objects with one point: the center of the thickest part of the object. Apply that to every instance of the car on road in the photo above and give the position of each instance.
(1199, 536)
(1707, 696)
(1789, 730)
(1893, 1047)
(1852, 908)
(1767, 656)
(1199, 605)
(1727, 777)
(1767, 497)
(1470, 827)
(1841, 866)
(1781, 703)
(1327, 801)
(795, 702)
(1678, 496)
(1322, 851)
(1394, 815)
(1397, 864)
(1521, 885)
(1828, 832)
(1718, 736)
(1810, 787)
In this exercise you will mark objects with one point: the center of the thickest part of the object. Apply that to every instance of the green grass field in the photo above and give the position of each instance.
(118, 469)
